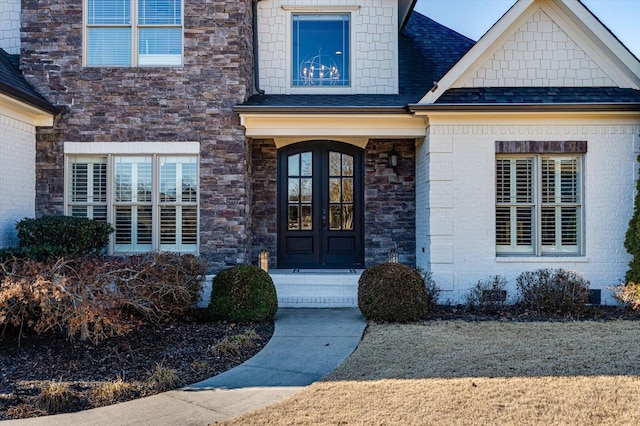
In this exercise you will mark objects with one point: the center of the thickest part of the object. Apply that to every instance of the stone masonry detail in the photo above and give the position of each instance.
(193, 102)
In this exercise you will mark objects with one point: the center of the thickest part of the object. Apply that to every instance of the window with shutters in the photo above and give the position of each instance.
(133, 32)
(538, 205)
(151, 201)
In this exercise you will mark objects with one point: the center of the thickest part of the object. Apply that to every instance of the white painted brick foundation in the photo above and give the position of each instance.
(17, 176)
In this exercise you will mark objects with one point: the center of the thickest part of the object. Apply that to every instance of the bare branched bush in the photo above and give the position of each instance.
(628, 294)
(93, 298)
(488, 295)
(160, 286)
(553, 291)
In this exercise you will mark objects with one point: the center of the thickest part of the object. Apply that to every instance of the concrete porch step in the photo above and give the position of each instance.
(309, 288)
(316, 288)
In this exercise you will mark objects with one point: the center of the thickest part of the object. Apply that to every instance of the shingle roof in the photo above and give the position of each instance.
(427, 50)
(13, 84)
(539, 95)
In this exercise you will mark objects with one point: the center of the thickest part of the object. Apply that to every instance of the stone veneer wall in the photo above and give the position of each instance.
(389, 201)
(264, 162)
(156, 104)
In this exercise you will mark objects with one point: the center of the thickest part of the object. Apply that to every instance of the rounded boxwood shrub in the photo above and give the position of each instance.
(392, 292)
(243, 293)
(62, 236)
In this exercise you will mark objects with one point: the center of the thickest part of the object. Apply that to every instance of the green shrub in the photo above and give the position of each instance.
(392, 292)
(632, 238)
(554, 291)
(62, 236)
(243, 293)
(488, 295)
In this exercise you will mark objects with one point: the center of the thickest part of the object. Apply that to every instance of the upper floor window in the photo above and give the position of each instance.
(539, 205)
(133, 32)
(320, 50)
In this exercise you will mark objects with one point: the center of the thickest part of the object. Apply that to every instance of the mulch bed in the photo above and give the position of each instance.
(32, 363)
(514, 313)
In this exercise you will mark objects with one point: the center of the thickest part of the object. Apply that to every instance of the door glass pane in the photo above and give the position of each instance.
(347, 217)
(300, 191)
(307, 190)
(305, 164)
(334, 164)
(347, 165)
(347, 190)
(305, 217)
(334, 190)
(294, 165)
(294, 190)
(334, 217)
(293, 220)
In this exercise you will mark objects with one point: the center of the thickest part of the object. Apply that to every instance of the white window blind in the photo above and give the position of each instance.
(114, 38)
(152, 201)
(538, 205)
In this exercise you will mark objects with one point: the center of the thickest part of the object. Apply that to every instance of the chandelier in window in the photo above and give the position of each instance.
(319, 70)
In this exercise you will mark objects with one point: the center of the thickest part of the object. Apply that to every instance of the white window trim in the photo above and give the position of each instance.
(135, 57)
(537, 254)
(290, 89)
(110, 150)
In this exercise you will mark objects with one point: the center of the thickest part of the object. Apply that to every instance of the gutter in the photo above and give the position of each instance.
(528, 107)
(319, 110)
(28, 99)
(256, 65)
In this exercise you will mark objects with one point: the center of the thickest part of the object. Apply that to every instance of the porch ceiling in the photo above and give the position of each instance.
(355, 129)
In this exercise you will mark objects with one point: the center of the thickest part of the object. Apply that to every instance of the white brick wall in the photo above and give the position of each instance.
(456, 226)
(17, 176)
(10, 25)
(374, 33)
(540, 54)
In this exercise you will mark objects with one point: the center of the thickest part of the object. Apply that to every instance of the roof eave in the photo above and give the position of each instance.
(528, 107)
(30, 100)
(320, 109)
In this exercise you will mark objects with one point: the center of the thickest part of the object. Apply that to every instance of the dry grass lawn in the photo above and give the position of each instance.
(461, 373)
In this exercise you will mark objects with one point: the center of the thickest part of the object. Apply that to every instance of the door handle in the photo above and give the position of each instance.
(324, 217)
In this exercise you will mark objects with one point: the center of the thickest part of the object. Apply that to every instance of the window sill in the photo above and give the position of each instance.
(542, 259)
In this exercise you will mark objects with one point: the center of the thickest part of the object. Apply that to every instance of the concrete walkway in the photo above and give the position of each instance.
(307, 344)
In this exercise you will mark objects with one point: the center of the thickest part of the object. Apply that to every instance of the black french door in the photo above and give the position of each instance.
(320, 206)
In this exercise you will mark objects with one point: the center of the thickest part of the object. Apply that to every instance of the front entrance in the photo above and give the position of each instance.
(320, 206)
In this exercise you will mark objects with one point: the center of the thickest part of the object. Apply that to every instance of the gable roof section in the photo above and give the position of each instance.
(13, 84)
(538, 45)
(427, 50)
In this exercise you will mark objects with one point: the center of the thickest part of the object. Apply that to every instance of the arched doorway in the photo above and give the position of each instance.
(320, 205)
